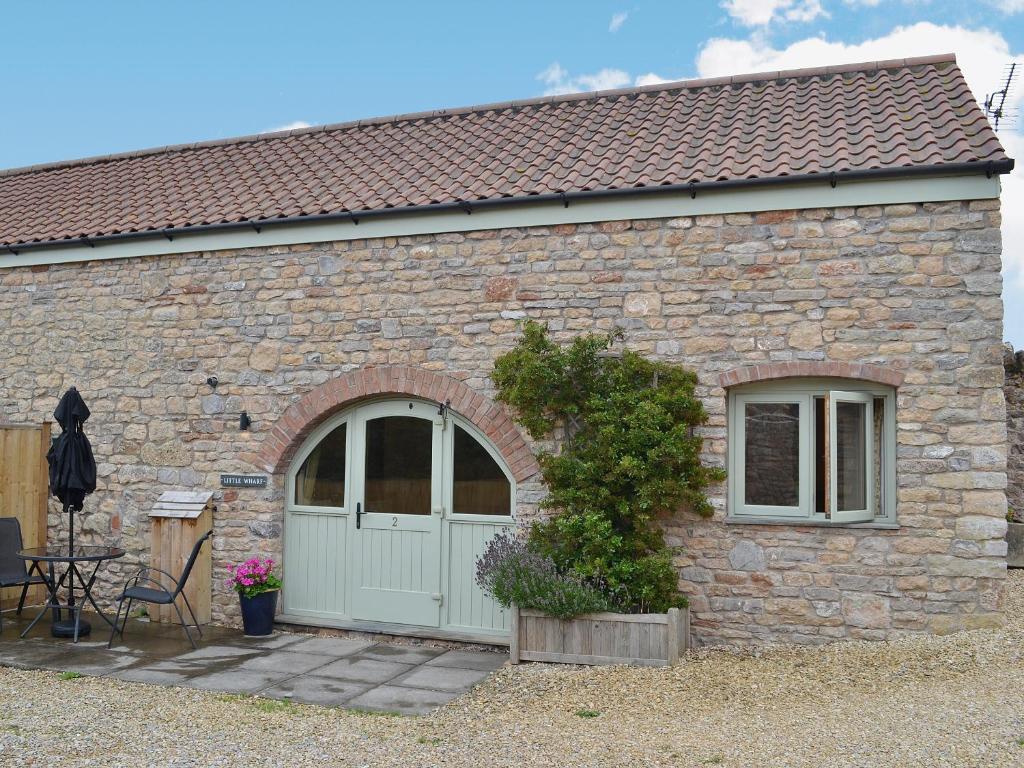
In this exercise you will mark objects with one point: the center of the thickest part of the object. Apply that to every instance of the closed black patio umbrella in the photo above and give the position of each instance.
(72, 466)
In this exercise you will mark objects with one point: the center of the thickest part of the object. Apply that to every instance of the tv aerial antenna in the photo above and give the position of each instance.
(995, 102)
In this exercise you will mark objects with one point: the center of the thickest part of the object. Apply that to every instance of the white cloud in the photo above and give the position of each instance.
(558, 80)
(618, 19)
(759, 13)
(289, 126)
(866, 3)
(651, 78)
(1008, 6)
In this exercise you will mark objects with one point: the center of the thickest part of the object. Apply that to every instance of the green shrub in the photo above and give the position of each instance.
(630, 455)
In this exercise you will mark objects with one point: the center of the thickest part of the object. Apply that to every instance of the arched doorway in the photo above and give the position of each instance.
(388, 505)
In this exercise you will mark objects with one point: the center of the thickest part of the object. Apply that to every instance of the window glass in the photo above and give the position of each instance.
(818, 449)
(851, 456)
(398, 465)
(320, 481)
(877, 451)
(480, 487)
(772, 454)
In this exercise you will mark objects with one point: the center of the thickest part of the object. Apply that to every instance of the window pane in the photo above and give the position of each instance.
(480, 487)
(772, 454)
(877, 456)
(398, 465)
(820, 456)
(320, 481)
(851, 456)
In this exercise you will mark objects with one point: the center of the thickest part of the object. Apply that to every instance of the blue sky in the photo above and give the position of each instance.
(80, 79)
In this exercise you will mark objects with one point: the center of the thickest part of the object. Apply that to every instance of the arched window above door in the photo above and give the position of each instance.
(320, 480)
(480, 485)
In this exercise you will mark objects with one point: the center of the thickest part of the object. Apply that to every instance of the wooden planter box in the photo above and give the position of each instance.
(1015, 545)
(648, 639)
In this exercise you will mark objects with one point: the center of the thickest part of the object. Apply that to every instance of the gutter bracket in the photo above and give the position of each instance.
(988, 169)
(167, 234)
(833, 180)
(88, 242)
(9, 248)
(464, 205)
(257, 227)
(352, 217)
(565, 200)
(693, 190)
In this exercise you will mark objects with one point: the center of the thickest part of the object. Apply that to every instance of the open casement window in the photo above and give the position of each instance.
(812, 450)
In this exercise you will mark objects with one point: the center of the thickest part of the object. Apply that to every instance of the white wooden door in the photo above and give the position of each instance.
(396, 512)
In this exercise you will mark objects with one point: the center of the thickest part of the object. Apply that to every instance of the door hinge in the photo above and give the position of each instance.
(437, 596)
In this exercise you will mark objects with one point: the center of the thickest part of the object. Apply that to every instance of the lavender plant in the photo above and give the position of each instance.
(510, 572)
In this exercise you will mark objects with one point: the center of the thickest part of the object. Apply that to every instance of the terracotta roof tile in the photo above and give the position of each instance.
(881, 115)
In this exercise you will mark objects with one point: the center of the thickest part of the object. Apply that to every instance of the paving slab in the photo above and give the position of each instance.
(236, 681)
(403, 654)
(285, 661)
(330, 671)
(316, 690)
(146, 674)
(100, 663)
(219, 652)
(441, 678)
(405, 701)
(362, 670)
(330, 646)
(277, 640)
(486, 660)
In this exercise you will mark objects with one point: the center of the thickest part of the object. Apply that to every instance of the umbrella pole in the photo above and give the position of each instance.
(71, 552)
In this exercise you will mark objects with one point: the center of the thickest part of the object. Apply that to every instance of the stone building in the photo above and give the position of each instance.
(821, 246)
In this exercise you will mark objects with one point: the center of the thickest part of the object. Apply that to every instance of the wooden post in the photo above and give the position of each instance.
(513, 648)
(672, 636)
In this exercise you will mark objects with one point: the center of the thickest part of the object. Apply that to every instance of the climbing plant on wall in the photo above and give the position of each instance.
(629, 455)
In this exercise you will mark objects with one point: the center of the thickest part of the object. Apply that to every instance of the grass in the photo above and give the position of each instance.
(714, 760)
(587, 713)
(70, 675)
(431, 740)
(269, 706)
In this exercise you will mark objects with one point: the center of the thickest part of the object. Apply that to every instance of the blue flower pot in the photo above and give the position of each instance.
(258, 613)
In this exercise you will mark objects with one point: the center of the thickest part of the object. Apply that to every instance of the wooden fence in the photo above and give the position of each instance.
(24, 487)
(647, 639)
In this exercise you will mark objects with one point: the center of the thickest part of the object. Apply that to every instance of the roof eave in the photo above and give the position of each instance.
(989, 168)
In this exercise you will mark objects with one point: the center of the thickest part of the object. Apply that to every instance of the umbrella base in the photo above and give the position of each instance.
(67, 628)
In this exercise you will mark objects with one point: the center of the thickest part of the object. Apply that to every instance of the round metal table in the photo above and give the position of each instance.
(72, 557)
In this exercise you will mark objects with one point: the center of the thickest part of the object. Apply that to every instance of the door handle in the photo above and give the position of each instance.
(359, 514)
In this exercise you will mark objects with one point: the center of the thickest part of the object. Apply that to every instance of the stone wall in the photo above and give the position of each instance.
(1014, 391)
(915, 288)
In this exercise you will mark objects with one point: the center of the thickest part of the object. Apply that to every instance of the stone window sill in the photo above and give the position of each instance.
(804, 523)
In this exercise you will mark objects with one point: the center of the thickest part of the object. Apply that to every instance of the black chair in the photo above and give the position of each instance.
(13, 572)
(158, 593)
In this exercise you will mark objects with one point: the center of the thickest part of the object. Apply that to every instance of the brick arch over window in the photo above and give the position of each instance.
(768, 371)
(322, 402)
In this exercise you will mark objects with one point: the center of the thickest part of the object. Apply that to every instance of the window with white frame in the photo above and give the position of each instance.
(821, 450)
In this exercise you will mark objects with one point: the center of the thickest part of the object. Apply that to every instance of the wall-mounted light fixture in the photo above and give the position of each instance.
(244, 422)
(213, 381)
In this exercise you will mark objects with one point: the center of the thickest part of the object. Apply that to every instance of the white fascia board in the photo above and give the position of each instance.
(651, 206)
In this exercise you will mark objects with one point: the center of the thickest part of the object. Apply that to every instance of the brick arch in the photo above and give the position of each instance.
(322, 402)
(767, 371)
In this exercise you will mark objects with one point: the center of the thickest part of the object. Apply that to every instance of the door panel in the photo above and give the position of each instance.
(396, 547)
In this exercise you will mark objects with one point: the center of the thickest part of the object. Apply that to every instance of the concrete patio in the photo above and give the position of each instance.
(329, 671)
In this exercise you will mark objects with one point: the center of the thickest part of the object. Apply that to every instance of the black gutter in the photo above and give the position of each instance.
(989, 168)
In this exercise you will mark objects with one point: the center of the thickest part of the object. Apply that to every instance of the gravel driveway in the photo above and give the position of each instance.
(922, 702)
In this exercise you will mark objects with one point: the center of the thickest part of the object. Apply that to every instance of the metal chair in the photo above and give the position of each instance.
(13, 572)
(158, 594)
